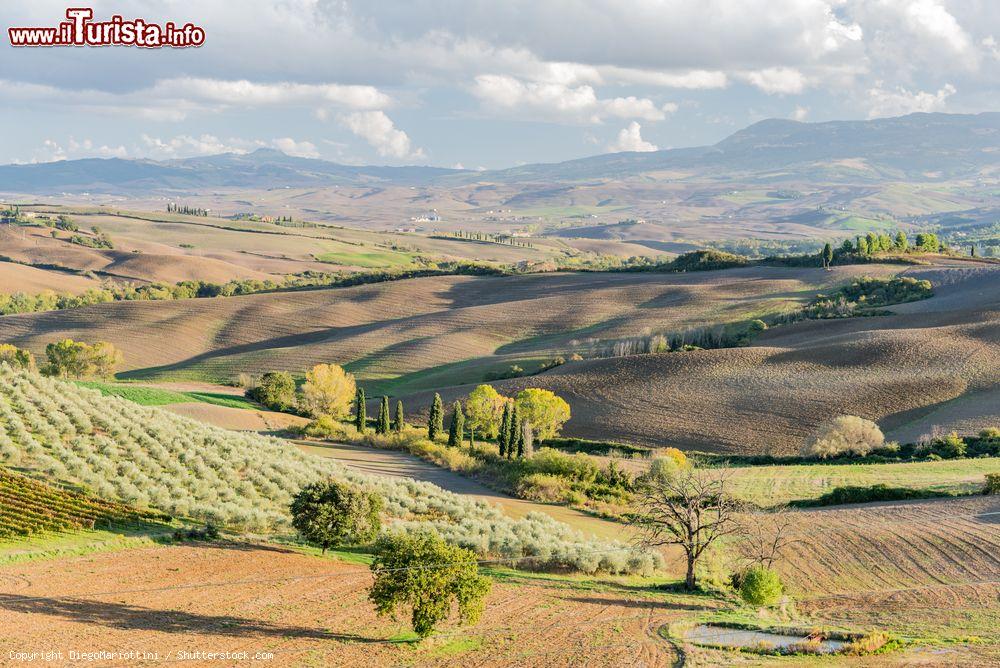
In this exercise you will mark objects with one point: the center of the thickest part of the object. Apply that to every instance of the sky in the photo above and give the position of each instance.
(485, 83)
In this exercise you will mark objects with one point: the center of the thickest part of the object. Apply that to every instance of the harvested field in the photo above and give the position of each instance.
(236, 418)
(22, 278)
(941, 352)
(311, 611)
(923, 568)
(396, 333)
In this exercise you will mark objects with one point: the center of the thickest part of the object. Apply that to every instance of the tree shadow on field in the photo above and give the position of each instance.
(134, 618)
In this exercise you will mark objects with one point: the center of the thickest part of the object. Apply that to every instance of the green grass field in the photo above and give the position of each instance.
(773, 485)
(155, 396)
(369, 259)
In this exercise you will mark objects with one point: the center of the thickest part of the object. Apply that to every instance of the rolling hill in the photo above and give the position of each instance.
(917, 147)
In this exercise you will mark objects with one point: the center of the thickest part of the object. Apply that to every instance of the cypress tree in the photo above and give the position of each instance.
(360, 416)
(827, 255)
(520, 439)
(504, 428)
(513, 432)
(382, 426)
(399, 417)
(457, 431)
(435, 421)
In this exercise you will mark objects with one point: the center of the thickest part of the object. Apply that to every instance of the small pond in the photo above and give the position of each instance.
(722, 636)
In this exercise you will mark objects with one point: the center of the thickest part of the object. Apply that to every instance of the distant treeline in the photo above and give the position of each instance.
(21, 302)
(485, 237)
(186, 210)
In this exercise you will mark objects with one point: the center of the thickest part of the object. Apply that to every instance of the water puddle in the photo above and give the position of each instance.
(722, 636)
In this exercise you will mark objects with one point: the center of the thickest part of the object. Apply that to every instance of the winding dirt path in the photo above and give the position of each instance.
(403, 465)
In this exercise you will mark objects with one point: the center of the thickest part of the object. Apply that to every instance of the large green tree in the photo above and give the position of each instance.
(331, 513)
(543, 410)
(276, 390)
(424, 573)
(484, 410)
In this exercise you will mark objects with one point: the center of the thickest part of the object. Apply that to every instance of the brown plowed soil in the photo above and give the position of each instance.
(306, 611)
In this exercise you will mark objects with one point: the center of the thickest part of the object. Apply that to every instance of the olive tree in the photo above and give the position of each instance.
(421, 571)
(332, 513)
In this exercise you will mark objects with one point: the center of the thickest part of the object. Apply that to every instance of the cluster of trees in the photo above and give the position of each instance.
(880, 242)
(67, 359)
(99, 239)
(865, 292)
(506, 239)
(514, 422)
(187, 210)
(415, 570)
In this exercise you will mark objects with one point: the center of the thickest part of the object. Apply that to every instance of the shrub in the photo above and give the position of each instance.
(578, 467)
(862, 494)
(328, 390)
(870, 643)
(992, 483)
(703, 260)
(333, 513)
(326, 427)
(16, 357)
(842, 435)
(403, 579)
(666, 464)
(543, 487)
(276, 390)
(760, 586)
(948, 447)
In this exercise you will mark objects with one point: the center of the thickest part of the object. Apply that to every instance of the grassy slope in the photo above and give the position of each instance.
(156, 396)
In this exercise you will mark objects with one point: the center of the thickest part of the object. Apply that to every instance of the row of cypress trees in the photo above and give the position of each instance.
(511, 438)
(383, 425)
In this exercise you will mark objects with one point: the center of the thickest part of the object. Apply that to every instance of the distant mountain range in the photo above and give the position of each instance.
(913, 147)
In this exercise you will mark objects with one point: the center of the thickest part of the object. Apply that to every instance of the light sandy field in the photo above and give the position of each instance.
(22, 278)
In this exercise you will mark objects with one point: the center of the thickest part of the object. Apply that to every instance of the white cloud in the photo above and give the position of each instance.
(777, 80)
(54, 151)
(378, 130)
(630, 139)
(800, 113)
(174, 100)
(555, 101)
(898, 101)
(188, 146)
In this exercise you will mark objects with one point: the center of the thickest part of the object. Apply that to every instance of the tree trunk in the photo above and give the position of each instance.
(689, 579)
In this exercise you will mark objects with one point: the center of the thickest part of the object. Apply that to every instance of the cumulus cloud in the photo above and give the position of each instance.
(630, 139)
(800, 113)
(54, 151)
(555, 101)
(381, 133)
(898, 101)
(777, 80)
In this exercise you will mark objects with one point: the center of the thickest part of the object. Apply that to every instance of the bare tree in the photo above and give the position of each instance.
(689, 508)
(764, 536)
